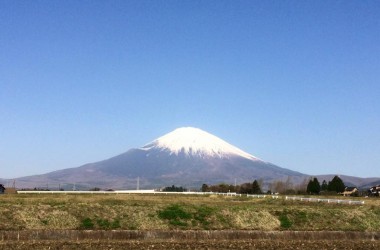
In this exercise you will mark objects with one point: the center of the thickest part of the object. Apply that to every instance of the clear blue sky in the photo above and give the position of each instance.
(295, 83)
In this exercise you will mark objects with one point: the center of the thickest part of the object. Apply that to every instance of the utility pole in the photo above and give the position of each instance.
(138, 183)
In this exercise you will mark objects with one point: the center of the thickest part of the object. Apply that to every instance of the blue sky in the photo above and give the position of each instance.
(295, 83)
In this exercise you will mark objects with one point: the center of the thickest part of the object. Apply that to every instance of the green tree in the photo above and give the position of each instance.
(324, 186)
(205, 188)
(174, 189)
(313, 187)
(256, 189)
(309, 186)
(336, 185)
(245, 188)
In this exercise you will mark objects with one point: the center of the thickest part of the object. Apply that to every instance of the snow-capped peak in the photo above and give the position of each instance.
(194, 141)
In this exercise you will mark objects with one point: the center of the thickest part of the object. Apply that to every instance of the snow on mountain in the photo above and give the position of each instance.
(196, 142)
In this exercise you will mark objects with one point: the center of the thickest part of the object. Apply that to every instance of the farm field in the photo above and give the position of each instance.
(200, 244)
(147, 213)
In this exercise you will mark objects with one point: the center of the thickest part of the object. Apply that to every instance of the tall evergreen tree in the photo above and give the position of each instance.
(313, 187)
(205, 188)
(324, 185)
(309, 186)
(336, 185)
(256, 189)
(317, 186)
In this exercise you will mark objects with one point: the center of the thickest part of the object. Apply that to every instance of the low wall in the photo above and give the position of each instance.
(77, 235)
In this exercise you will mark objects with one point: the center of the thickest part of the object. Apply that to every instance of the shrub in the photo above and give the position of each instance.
(106, 224)
(87, 224)
(175, 214)
(285, 222)
(103, 223)
(115, 224)
(202, 213)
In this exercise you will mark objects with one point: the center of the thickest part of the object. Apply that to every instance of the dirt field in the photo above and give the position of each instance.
(210, 244)
(230, 239)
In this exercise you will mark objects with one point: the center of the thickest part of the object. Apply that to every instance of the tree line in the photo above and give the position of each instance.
(174, 189)
(311, 186)
(245, 188)
(336, 185)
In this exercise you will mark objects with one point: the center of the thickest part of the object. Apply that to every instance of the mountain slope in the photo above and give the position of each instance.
(186, 156)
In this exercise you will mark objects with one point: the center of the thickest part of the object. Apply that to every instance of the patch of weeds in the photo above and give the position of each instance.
(103, 223)
(202, 214)
(115, 224)
(178, 223)
(375, 210)
(175, 214)
(240, 198)
(55, 203)
(285, 222)
(87, 224)
(106, 224)
(45, 222)
(222, 219)
(174, 211)
(301, 216)
(236, 208)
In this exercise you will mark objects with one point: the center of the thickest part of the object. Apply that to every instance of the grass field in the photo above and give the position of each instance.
(167, 212)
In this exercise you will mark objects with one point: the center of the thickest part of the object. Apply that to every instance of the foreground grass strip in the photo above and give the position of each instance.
(163, 212)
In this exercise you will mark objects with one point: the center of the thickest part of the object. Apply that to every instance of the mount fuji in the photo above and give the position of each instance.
(185, 157)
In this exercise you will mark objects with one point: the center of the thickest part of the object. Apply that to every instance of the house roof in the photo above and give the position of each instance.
(349, 189)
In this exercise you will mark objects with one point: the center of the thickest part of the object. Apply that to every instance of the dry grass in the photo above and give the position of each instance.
(140, 212)
(252, 219)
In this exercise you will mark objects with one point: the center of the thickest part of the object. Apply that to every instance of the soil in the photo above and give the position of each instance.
(233, 239)
(191, 244)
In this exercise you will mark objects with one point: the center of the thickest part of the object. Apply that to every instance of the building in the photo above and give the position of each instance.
(375, 190)
(2, 189)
